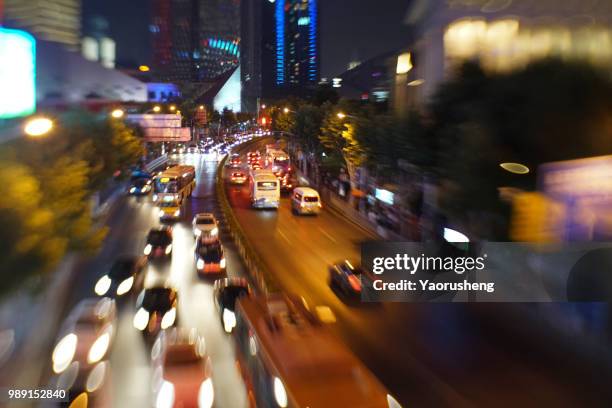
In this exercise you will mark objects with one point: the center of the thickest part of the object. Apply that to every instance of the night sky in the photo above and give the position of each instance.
(350, 29)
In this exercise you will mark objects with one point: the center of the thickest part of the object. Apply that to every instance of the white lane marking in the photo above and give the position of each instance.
(282, 234)
(327, 234)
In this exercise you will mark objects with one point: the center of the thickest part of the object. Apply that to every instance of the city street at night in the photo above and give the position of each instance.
(305, 204)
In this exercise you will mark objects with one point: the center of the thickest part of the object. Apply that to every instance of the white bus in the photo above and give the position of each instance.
(264, 189)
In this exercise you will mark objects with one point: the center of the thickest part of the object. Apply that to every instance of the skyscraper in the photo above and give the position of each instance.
(280, 49)
(52, 20)
(175, 38)
(195, 40)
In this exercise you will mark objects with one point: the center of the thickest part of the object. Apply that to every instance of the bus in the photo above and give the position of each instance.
(289, 358)
(175, 183)
(264, 189)
(278, 161)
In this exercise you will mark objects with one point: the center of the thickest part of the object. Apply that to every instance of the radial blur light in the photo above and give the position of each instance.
(117, 113)
(38, 126)
(515, 168)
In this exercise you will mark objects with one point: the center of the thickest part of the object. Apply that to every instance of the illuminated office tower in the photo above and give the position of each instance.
(52, 20)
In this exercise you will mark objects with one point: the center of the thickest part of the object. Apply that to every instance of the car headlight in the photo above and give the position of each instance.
(392, 402)
(214, 231)
(229, 320)
(206, 395)
(168, 249)
(165, 396)
(63, 353)
(177, 213)
(280, 395)
(147, 249)
(133, 189)
(125, 286)
(168, 319)
(102, 285)
(99, 348)
(197, 232)
(141, 319)
(200, 263)
(155, 197)
(222, 263)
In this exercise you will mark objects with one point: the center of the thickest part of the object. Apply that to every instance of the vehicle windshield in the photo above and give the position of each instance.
(169, 204)
(165, 186)
(210, 253)
(180, 354)
(230, 294)
(266, 185)
(140, 182)
(158, 238)
(205, 220)
(158, 299)
(121, 269)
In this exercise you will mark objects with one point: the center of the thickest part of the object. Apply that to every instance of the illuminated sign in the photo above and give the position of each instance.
(17, 73)
(384, 195)
(303, 21)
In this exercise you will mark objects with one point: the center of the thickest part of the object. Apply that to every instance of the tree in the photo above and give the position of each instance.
(307, 125)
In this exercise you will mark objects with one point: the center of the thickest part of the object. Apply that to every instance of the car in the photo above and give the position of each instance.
(182, 370)
(287, 182)
(85, 336)
(238, 177)
(159, 243)
(124, 276)
(305, 200)
(169, 209)
(156, 309)
(209, 257)
(226, 292)
(192, 148)
(205, 227)
(348, 278)
(140, 186)
(255, 166)
(235, 162)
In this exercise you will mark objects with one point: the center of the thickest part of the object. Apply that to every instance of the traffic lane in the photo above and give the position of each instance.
(297, 252)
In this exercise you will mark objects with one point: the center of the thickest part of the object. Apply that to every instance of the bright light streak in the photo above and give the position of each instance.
(515, 168)
(450, 235)
(38, 126)
(99, 348)
(117, 113)
(102, 285)
(144, 68)
(64, 352)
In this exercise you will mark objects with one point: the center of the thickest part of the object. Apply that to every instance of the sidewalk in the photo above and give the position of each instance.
(343, 208)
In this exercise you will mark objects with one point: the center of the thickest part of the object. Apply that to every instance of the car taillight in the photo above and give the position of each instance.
(355, 283)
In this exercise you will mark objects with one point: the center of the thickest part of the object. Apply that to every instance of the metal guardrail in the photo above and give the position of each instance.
(156, 162)
(257, 269)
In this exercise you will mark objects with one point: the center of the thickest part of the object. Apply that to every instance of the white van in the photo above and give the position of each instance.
(305, 200)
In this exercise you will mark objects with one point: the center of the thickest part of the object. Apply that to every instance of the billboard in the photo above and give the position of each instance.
(17, 73)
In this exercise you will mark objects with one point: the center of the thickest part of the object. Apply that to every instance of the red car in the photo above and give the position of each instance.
(238, 177)
(183, 370)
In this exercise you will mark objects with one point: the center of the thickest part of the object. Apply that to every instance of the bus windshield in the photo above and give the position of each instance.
(164, 185)
(266, 185)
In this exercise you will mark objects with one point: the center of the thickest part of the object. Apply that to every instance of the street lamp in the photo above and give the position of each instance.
(117, 113)
(172, 108)
(38, 126)
(156, 108)
(263, 106)
(201, 107)
(286, 110)
(341, 115)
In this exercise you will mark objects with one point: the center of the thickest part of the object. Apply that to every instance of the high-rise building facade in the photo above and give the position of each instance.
(195, 40)
(280, 49)
(52, 20)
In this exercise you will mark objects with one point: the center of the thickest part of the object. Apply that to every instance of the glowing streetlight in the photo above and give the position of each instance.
(156, 108)
(516, 168)
(201, 107)
(286, 110)
(341, 115)
(172, 108)
(263, 106)
(117, 113)
(144, 68)
(38, 126)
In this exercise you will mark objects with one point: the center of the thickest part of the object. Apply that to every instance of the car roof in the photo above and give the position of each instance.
(205, 215)
(306, 191)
